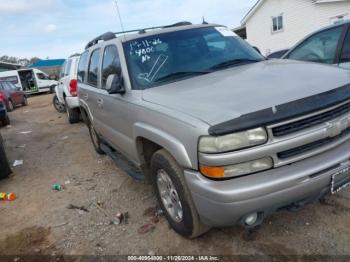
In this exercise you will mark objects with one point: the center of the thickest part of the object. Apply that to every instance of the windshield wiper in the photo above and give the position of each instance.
(234, 62)
(176, 75)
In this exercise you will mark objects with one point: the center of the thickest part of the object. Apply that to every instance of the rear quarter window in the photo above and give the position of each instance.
(82, 67)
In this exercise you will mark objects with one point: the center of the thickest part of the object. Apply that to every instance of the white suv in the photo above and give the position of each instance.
(66, 89)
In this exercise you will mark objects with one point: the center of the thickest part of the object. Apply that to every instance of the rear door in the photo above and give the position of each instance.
(344, 61)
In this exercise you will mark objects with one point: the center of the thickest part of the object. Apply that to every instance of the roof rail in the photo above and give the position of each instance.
(105, 37)
(110, 35)
(73, 55)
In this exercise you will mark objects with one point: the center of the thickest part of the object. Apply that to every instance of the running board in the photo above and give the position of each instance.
(122, 162)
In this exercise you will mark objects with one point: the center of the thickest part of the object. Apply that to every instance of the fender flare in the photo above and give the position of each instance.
(163, 139)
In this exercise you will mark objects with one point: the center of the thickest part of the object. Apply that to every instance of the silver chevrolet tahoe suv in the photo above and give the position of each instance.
(225, 136)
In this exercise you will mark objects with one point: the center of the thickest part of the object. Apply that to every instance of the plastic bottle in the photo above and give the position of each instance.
(8, 196)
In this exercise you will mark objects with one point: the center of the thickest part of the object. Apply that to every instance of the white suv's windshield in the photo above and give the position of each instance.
(167, 57)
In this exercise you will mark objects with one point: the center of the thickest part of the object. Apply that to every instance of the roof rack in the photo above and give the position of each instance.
(104, 37)
(110, 35)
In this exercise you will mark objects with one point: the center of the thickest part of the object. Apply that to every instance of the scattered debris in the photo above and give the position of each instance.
(37, 250)
(112, 220)
(153, 213)
(57, 187)
(81, 208)
(67, 182)
(8, 126)
(26, 111)
(21, 146)
(99, 161)
(8, 196)
(147, 228)
(25, 132)
(307, 224)
(151, 253)
(60, 225)
(64, 138)
(17, 163)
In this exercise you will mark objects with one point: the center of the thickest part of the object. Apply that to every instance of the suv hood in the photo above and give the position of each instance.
(227, 94)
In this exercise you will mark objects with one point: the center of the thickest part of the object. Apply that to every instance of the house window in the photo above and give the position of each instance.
(277, 23)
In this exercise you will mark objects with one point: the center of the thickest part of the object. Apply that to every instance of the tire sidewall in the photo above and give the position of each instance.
(185, 227)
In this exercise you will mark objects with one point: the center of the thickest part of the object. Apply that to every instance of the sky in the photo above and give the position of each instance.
(59, 28)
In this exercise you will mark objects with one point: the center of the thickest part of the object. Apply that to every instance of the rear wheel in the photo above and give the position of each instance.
(10, 106)
(174, 195)
(96, 141)
(58, 105)
(73, 114)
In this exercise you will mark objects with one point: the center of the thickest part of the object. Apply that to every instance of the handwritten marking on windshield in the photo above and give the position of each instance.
(144, 49)
(149, 77)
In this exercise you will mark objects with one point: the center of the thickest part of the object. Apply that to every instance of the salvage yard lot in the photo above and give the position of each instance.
(39, 222)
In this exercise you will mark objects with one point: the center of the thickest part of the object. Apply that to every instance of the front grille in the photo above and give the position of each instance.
(311, 146)
(310, 121)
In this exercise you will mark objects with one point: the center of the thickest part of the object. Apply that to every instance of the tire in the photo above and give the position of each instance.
(6, 121)
(73, 115)
(10, 106)
(5, 169)
(95, 139)
(25, 101)
(58, 105)
(189, 224)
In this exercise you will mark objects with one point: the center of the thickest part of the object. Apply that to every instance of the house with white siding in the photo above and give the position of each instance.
(273, 25)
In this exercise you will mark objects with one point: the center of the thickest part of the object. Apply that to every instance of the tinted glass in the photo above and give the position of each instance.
(111, 63)
(82, 67)
(321, 47)
(151, 59)
(345, 54)
(93, 68)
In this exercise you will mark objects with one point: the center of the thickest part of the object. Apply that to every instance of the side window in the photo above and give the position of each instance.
(40, 76)
(345, 53)
(111, 63)
(63, 68)
(321, 47)
(93, 68)
(67, 68)
(82, 67)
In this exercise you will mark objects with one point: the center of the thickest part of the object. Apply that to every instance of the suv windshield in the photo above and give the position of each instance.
(167, 57)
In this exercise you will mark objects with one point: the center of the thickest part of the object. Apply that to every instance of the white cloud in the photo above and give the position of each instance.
(50, 28)
(8, 7)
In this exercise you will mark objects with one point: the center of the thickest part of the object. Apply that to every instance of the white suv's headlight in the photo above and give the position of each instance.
(231, 142)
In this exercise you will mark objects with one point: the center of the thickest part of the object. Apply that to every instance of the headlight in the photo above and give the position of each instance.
(238, 169)
(220, 144)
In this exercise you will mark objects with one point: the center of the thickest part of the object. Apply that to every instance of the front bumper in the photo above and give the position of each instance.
(72, 101)
(226, 203)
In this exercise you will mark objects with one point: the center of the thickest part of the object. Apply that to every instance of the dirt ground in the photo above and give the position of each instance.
(39, 222)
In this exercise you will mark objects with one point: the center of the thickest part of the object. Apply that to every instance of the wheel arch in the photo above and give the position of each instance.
(150, 139)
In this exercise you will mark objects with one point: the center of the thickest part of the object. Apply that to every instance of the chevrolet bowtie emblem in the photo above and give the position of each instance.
(337, 127)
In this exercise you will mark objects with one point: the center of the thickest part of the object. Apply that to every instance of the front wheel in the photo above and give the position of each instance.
(174, 196)
(6, 121)
(25, 101)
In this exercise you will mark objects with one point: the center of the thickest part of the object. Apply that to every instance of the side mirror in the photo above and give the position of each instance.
(114, 84)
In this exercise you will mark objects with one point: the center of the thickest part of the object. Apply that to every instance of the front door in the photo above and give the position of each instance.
(113, 109)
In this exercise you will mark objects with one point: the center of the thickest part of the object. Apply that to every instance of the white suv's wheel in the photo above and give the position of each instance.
(174, 195)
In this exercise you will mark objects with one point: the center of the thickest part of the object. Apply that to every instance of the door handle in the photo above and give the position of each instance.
(100, 102)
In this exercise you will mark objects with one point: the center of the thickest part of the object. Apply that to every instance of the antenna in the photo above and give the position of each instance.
(204, 22)
(120, 17)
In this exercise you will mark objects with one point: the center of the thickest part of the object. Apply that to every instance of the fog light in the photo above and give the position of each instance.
(251, 219)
